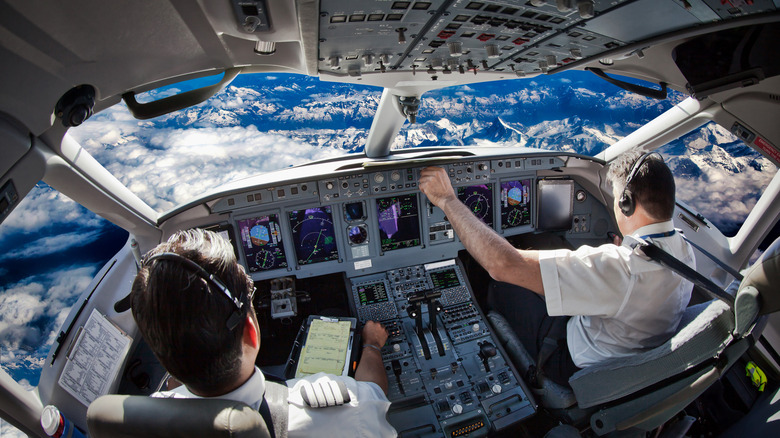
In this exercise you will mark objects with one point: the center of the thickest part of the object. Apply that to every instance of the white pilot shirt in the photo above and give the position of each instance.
(620, 302)
(363, 416)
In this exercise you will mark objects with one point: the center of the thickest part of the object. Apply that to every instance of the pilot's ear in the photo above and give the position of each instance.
(251, 335)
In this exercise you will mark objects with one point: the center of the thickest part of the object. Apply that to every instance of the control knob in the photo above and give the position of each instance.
(457, 409)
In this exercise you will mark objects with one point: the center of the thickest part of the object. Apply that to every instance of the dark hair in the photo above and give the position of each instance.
(182, 316)
(652, 186)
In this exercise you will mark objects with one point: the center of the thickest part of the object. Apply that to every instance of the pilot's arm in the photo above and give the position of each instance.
(501, 260)
(371, 368)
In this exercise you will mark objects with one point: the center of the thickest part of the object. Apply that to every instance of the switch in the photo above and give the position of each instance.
(456, 48)
(564, 5)
(496, 389)
(457, 409)
(401, 35)
(586, 9)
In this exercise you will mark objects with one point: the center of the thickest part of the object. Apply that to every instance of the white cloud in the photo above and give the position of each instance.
(32, 311)
(52, 244)
(184, 163)
(44, 207)
(7, 430)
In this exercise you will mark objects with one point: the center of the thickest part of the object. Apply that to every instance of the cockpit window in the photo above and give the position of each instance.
(263, 122)
(718, 175)
(258, 124)
(53, 249)
(573, 111)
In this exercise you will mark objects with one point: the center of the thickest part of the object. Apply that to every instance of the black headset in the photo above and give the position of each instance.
(213, 280)
(627, 203)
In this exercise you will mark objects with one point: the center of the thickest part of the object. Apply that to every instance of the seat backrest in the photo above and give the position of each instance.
(124, 416)
(758, 292)
(705, 331)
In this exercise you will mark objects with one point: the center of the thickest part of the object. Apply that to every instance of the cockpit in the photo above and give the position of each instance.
(349, 237)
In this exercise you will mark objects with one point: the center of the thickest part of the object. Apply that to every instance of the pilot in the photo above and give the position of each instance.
(608, 301)
(206, 334)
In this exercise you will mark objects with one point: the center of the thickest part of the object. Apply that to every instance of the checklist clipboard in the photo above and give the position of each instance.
(324, 344)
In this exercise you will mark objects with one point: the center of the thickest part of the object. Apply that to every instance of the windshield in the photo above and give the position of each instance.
(263, 122)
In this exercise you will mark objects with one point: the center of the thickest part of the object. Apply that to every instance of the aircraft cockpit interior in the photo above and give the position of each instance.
(335, 242)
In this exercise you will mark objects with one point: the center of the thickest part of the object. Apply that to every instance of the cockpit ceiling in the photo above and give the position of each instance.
(440, 38)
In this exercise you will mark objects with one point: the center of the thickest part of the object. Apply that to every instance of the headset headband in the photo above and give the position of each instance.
(212, 279)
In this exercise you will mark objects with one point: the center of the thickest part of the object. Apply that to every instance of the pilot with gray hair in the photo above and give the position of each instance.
(192, 302)
(595, 303)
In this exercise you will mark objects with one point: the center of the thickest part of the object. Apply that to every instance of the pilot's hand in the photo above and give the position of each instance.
(616, 239)
(375, 334)
(436, 185)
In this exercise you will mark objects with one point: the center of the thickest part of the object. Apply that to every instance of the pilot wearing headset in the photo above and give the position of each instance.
(613, 301)
(192, 302)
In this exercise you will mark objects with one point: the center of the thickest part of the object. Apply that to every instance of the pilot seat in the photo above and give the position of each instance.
(642, 392)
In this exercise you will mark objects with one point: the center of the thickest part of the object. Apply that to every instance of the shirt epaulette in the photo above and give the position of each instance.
(324, 393)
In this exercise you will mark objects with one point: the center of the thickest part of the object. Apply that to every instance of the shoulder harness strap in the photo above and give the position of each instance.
(662, 257)
(274, 409)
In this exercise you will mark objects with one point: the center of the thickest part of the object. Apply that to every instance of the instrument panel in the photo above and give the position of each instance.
(375, 220)
(446, 371)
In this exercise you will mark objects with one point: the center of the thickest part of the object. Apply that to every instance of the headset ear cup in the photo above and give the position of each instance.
(626, 203)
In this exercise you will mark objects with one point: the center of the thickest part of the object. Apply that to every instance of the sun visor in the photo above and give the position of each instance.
(728, 59)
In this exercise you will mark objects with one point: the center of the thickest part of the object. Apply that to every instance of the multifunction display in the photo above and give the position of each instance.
(261, 240)
(313, 235)
(555, 205)
(444, 279)
(479, 199)
(399, 223)
(371, 293)
(515, 203)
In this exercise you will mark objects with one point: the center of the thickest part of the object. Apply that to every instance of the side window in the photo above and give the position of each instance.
(52, 248)
(723, 179)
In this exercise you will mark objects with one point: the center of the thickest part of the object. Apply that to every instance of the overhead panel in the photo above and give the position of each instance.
(526, 37)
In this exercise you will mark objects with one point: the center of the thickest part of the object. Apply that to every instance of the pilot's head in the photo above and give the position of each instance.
(186, 318)
(651, 187)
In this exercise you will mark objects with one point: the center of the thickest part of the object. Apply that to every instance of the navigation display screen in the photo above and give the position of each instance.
(313, 235)
(371, 293)
(479, 199)
(399, 223)
(515, 203)
(556, 210)
(444, 279)
(261, 240)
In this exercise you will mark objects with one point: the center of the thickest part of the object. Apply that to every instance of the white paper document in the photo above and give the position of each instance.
(94, 359)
